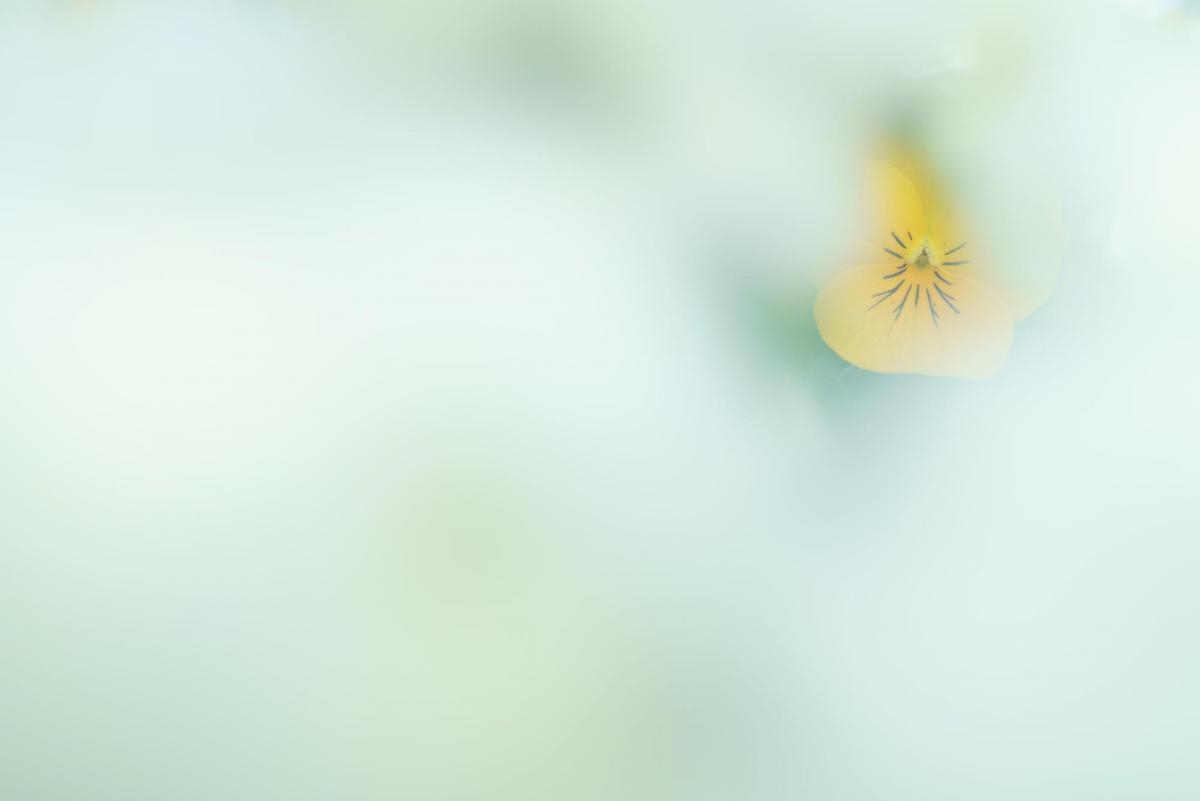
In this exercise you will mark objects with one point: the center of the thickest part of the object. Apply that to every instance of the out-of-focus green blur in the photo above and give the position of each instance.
(420, 401)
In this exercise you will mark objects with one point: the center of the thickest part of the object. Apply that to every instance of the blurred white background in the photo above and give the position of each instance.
(421, 401)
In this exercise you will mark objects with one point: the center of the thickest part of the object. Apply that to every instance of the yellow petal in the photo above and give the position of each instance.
(893, 215)
(935, 197)
(914, 322)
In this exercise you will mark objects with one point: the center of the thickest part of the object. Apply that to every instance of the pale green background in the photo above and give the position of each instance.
(421, 402)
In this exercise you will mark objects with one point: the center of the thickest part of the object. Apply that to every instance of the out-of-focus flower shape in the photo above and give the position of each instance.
(921, 296)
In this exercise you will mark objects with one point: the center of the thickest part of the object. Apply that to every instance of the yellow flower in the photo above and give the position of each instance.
(921, 298)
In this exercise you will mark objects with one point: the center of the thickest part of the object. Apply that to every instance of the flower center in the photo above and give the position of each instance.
(933, 288)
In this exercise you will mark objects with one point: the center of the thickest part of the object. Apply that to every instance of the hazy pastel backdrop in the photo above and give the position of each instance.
(420, 401)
